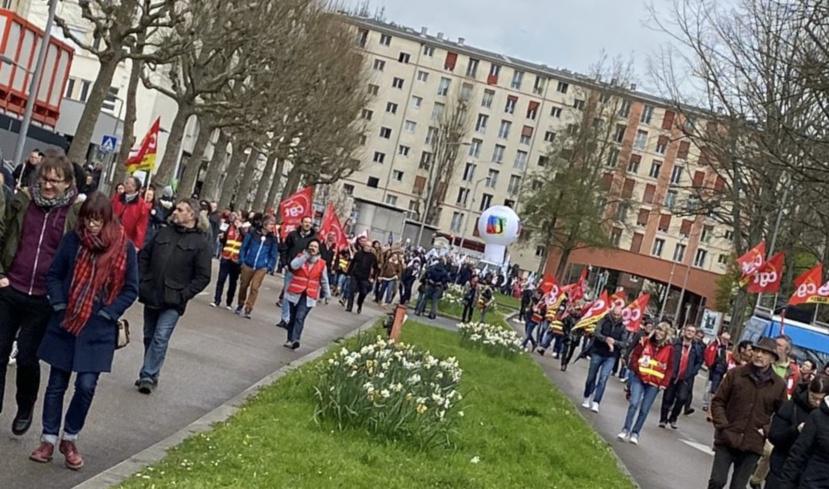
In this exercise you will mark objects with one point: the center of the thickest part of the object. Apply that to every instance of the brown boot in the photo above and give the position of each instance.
(43, 453)
(73, 459)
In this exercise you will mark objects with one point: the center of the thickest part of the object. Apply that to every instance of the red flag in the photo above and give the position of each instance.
(294, 208)
(594, 313)
(766, 280)
(809, 290)
(576, 290)
(331, 224)
(751, 261)
(547, 284)
(619, 298)
(632, 314)
(144, 158)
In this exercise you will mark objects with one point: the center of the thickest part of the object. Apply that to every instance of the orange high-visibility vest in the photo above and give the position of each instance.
(307, 278)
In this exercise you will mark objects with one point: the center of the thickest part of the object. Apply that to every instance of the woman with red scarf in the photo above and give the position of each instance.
(92, 281)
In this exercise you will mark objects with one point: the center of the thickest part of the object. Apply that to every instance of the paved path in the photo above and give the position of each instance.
(213, 356)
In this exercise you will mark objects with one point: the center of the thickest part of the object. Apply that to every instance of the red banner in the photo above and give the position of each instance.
(576, 291)
(331, 224)
(766, 280)
(809, 289)
(595, 312)
(294, 208)
(144, 158)
(750, 262)
(633, 313)
(619, 298)
(548, 283)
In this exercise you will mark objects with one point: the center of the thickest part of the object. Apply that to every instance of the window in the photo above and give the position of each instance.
(517, 78)
(512, 100)
(679, 252)
(475, 148)
(457, 222)
(627, 188)
(426, 160)
(641, 139)
(540, 251)
(537, 184)
(647, 114)
(503, 131)
(379, 64)
(729, 235)
(486, 201)
(486, 101)
(494, 71)
(373, 182)
(498, 153)
(619, 135)
(480, 125)
(472, 67)
(622, 209)
(699, 178)
(676, 175)
(110, 100)
(466, 91)
(469, 172)
(385, 39)
(514, 184)
(658, 244)
(685, 228)
(70, 88)
(699, 258)
(363, 139)
(642, 218)
(624, 108)
(543, 161)
(348, 189)
(403, 150)
(633, 164)
(443, 87)
(362, 37)
(491, 178)
(520, 160)
(451, 60)
(379, 157)
(562, 87)
(555, 112)
(650, 190)
(431, 135)
(372, 89)
(403, 58)
(662, 144)
(391, 199)
(549, 136)
(612, 157)
(437, 110)
(385, 132)
(636, 242)
(428, 51)
(85, 86)
(422, 76)
(578, 104)
(664, 223)
(397, 175)
(707, 234)
(410, 126)
(526, 135)
(416, 101)
(540, 83)
(397, 83)
(616, 236)
(668, 120)
(684, 148)
(366, 114)
(532, 110)
(419, 185)
(391, 107)
(670, 199)
(463, 194)
(722, 259)
(656, 165)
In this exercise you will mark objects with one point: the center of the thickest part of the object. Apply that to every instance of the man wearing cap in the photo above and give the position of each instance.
(741, 412)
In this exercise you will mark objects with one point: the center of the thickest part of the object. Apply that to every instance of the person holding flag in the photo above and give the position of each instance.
(687, 360)
(610, 337)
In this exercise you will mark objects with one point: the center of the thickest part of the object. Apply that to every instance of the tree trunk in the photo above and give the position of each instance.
(210, 189)
(164, 173)
(191, 172)
(92, 109)
(128, 137)
(292, 182)
(237, 160)
(265, 183)
(276, 186)
(243, 195)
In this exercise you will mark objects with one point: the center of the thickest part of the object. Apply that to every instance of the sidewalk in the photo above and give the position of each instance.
(214, 355)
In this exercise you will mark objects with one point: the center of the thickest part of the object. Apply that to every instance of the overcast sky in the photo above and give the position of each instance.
(569, 34)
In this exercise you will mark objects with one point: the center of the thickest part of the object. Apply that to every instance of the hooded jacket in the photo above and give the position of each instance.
(784, 432)
(809, 458)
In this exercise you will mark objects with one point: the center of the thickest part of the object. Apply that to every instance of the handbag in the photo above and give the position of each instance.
(123, 338)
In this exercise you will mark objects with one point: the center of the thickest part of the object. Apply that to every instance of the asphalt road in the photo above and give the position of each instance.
(214, 355)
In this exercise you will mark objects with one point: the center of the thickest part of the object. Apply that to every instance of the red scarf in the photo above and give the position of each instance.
(94, 277)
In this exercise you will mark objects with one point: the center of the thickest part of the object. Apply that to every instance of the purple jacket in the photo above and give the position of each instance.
(42, 232)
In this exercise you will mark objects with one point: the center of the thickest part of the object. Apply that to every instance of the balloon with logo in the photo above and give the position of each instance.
(499, 227)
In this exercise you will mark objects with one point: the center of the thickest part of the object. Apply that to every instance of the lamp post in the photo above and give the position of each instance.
(430, 190)
(465, 218)
(109, 172)
(670, 280)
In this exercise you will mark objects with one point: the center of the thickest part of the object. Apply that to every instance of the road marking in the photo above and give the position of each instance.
(699, 446)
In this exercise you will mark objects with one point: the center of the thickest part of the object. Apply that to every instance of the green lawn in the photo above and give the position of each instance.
(455, 311)
(507, 302)
(517, 432)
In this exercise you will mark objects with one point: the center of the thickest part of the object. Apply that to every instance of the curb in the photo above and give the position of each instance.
(154, 453)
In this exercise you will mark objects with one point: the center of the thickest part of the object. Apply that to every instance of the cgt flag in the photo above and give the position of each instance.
(750, 262)
(632, 314)
(144, 158)
(576, 291)
(766, 280)
(296, 207)
(595, 313)
(548, 283)
(618, 299)
(331, 224)
(809, 289)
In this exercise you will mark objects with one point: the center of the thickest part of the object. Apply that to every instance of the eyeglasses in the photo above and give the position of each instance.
(52, 181)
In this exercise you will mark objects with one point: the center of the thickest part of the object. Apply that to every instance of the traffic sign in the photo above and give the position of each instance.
(109, 143)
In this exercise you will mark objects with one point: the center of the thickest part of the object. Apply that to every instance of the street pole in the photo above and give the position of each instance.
(774, 237)
(684, 284)
(426, 204)
(109, 174)
(667, 291)
(468, 211)
(34, 84)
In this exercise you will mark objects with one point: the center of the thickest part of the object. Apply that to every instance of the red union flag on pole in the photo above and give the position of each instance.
(595, 312)
(766, 280)
(750, 262)
(331, 224)
(809, 289)
(618, 299)
(548, 283)
(144, 158)
(295, 207)
(632, 314)
(576, 290)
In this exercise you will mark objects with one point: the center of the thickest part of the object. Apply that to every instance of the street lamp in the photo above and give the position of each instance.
(670, 280)
(430, 191)
(109, 171)
(468, 211)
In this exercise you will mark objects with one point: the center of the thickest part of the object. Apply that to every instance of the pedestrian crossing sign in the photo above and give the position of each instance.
(109, 143)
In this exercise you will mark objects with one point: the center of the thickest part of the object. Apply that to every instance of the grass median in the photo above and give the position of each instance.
(517, 432)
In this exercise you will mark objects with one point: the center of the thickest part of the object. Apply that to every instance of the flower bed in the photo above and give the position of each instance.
(391, 389)
(494, 339)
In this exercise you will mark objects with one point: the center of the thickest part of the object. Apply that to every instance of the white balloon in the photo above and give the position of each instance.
(499, 225)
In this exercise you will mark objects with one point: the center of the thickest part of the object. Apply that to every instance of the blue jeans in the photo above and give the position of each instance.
(529, 326)
(641, 399)
(432, 293)
(85, 383)
(597, 375)
(158, 328)
(299, 312)
(286, 306)
(390, 290)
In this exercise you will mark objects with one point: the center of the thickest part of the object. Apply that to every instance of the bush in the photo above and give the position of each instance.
(493, 339)
(391, 389)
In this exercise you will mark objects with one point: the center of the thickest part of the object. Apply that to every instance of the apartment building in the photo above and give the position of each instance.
(517, 110)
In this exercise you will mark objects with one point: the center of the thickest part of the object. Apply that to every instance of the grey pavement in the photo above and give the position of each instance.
(214, 355)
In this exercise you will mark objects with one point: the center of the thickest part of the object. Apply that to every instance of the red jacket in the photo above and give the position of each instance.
(652, 363)
(134, 216)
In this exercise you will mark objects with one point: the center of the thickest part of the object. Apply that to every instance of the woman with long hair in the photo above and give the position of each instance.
(650, 363)
(92, 281)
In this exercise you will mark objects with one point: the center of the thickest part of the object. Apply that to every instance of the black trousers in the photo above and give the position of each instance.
(359, 288)
(25, 317)
(688, 401)
(468, 309)
(406, 293)
(674, 399)
(228, 270)
(570, 345)
(724, 458)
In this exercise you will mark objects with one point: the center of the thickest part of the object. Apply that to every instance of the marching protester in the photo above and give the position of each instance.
(808, 371)
(174, 267)
(328, 252)
(635, 338)
(609, 340)
(22, 175)
(229, 265)
(485, 301)
(573, 340)
(258, 256)
(92, 281)
(741, 411)
(343, 259)
(160, 212)
(410, 275)
(716, 356)
(687, 360)
(533, 316)
(650, 364)
(309, 283)
(436, 279)
(295, 242)
(470, 299)
(389, 277)
(132, 211)
(361, 269)
(35, 222)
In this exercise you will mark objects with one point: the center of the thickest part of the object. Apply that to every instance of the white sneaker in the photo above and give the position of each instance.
(634, 438)
(595, 407)
(213, 304)
(13, 356)
(623, 435)
(586, 403)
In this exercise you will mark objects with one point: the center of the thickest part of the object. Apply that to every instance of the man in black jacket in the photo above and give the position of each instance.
(436, 279)
(173, 267)
(295, 243)
(609, 341)
(361, 269)
(687, 360)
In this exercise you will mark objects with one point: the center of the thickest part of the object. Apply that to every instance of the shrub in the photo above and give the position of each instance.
(493, 339)
(391, 389)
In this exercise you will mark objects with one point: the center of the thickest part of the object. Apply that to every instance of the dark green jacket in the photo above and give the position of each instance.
(12, 225)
